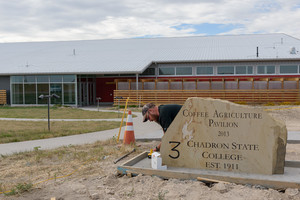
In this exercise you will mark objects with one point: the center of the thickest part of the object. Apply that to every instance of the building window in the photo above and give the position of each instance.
(42, 79)
(270, 69)
(69, 78)
(128, 75)
(42, 89)
(205, 70)
(289, 69)
(17, 79)
(260, 69)
(244, 70)
(226, 70)
(17, 93)
(34, 86)
(184, 71)
(149, 72)
(69, 93)
(167, 71)
(30, 93)
(56, 88)
(107, 75)
(265, 69)
(29, 79)
(55, 78)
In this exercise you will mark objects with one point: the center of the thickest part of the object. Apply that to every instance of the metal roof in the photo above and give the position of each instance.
(135, 55)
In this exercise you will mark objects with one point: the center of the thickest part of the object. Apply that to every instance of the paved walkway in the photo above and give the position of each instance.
(147, 130)
(294, 137)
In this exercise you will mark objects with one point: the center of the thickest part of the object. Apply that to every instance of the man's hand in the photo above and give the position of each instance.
(156, 148)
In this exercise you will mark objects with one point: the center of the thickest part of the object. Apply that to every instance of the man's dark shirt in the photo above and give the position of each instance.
(167, 113)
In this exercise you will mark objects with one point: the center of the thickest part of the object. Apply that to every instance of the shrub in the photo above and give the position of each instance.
(270, 104)
(241, 102)
(285, 103)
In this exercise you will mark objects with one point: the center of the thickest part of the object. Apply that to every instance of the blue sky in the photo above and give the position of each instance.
(208, 28)
(42, 20)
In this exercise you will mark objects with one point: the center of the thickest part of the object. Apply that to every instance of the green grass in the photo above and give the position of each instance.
(17, 131)
(19, 189)
(55, 113)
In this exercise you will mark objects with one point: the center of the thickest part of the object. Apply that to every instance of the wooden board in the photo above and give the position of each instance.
(141, 164)
(180, 96)
(3, 97)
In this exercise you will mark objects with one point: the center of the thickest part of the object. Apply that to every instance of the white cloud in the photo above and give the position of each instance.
(283, 18)
(41, 20)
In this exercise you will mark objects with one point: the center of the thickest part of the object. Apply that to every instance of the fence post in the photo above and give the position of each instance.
(140, 99)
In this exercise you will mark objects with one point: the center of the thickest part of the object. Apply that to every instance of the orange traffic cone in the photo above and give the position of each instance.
(129, 132)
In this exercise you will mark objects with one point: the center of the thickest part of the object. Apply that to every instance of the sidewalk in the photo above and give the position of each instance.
(147, 130)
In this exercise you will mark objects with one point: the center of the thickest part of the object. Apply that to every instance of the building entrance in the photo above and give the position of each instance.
(105, 90)
(86, 91)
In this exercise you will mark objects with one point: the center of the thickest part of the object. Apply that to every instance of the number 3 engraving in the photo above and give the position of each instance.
(174, 149)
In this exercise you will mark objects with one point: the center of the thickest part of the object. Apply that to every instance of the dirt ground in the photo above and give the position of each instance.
(98, 179)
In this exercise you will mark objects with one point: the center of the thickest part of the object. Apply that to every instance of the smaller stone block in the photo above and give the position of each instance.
(156, 161)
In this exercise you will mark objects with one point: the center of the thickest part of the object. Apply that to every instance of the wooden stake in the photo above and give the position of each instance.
(210, 180)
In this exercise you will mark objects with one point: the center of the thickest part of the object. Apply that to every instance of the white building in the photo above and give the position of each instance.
(81, 71)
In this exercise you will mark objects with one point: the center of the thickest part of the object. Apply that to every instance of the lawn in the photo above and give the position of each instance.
(55, 113)
(17, 131)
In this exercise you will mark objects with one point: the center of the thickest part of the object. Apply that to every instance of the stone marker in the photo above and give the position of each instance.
(219, 135)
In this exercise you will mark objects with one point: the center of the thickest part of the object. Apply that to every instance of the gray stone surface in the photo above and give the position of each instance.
(219, 135)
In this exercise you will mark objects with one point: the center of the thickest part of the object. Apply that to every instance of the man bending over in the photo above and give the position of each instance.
(163, 115)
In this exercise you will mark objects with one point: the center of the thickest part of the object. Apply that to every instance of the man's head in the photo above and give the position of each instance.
(149, 112)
